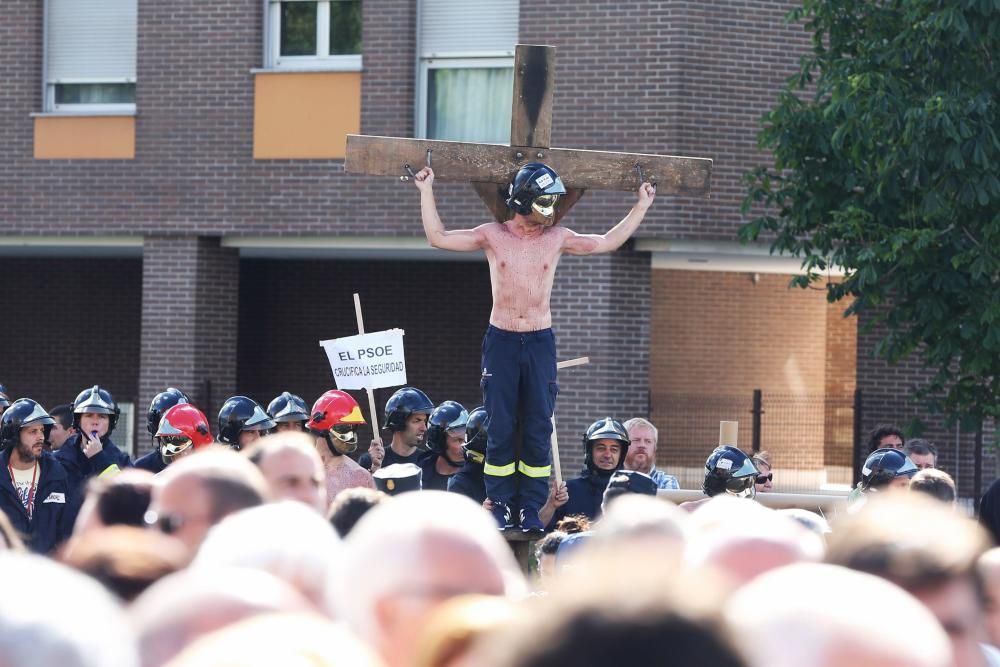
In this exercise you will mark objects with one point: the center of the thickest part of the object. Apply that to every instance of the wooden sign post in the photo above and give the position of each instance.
(556, 464)
(371, 394)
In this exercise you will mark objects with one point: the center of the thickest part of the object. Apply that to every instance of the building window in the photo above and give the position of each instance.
(325, 34)
(466, 69)
(90, 49)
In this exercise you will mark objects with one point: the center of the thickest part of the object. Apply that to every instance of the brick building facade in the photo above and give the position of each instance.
(189, 262)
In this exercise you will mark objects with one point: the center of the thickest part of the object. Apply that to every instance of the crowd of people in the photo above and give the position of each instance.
(262, 538)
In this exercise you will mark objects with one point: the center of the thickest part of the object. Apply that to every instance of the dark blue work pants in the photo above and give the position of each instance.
(519, 384)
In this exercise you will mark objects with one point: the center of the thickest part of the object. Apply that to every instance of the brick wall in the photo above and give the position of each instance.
(600, 309)
(289, 306)
(190, 311)
(678, 76)
(718, 336)
(69, 324)
(684, 77)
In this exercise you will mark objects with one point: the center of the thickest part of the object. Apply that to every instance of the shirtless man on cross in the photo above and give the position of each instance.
(519, 352)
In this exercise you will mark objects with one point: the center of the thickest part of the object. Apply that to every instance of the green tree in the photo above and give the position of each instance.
(886, 161)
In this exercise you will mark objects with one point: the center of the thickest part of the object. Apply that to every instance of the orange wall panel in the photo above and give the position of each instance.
(305, 114)
(85, 138)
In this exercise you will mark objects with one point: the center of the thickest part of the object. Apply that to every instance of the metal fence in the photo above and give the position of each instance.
(810, 439)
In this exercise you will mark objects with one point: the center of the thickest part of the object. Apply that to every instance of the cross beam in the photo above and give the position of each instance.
(490, 167)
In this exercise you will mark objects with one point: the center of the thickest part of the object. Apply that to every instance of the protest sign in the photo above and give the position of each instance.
(367, 361)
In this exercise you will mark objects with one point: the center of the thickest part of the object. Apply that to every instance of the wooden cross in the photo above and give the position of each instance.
(490, 167)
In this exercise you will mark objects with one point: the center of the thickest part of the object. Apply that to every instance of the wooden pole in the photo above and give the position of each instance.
(371, 395)
(727, 433)
(556, 464)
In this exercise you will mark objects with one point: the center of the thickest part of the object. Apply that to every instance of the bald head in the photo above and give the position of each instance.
(292, 468)
(197, 491)
(828, 616)
(742, 540)
(411, 553)
(187, 605)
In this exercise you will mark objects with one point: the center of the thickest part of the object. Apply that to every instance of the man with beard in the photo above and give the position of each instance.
(641, 457)
(606, 445)
(445, 440)
(333, 422)
(36, 493)
(406, 414)
(519, 348)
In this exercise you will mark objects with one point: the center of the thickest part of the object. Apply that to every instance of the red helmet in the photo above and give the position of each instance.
(336, 414)
(183, 426)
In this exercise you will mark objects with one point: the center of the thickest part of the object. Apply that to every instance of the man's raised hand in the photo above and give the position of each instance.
(377, 451)
(647, 193)
(424, 179)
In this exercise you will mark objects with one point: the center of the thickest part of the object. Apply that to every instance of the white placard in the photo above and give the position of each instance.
(367, 361)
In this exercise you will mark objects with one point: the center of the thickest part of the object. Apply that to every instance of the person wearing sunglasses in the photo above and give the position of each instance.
(764, 475)
(196, 492)
(519, 349)
(333, 422)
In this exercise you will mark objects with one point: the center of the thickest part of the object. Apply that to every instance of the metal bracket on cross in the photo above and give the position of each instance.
(569, 363)
(409, 170)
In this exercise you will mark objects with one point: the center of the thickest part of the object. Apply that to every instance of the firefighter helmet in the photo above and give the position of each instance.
(238, 414)
(729, 470)
(535, 187)
(22, 413)
(335, 416)
(162, 402)
(402, 404)
(605, 429)
(182, 427)
(96, 401)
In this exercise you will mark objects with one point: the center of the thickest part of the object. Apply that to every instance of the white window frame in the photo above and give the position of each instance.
(85, 108)
(452, 61)
(322, 60)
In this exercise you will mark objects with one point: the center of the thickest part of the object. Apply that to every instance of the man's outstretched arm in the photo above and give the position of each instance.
(461, 240)
(594, 244)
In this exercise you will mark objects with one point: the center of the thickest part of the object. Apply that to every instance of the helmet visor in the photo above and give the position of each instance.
(748, 469)
(172, 445)
(545, 205)
(346, 434)
(259, 421)
(742, 487)
(343, 438)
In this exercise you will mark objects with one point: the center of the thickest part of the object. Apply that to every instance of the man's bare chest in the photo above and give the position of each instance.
(524, 255)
